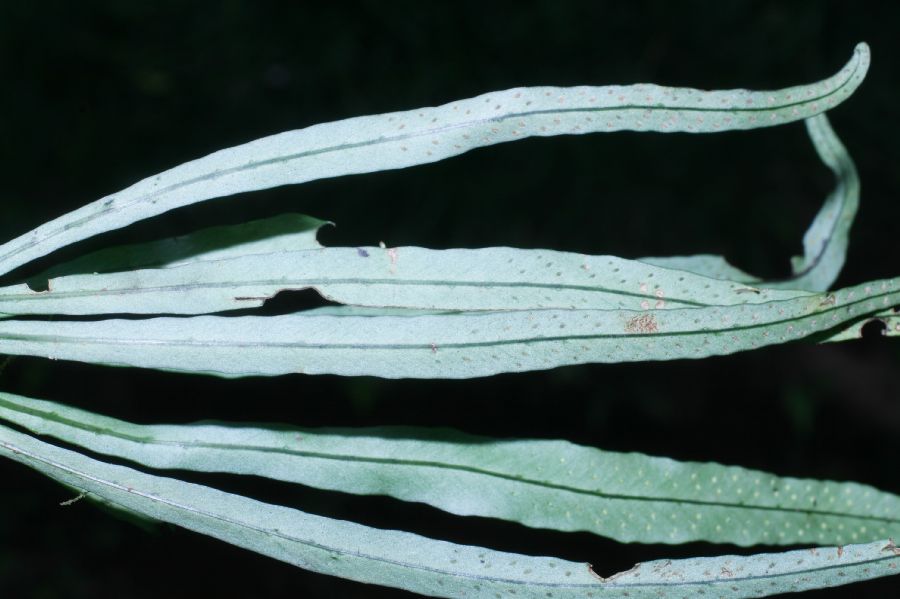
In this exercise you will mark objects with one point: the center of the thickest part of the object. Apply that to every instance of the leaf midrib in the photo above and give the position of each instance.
(322, 282)
(411, 566)
(457, 345)
(143, 440)
(111, 209)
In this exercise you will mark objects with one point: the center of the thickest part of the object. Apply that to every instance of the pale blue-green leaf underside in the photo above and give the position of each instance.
(402, 139)
(404, 277)
(442, 345)
(431, 567)
(546, 484)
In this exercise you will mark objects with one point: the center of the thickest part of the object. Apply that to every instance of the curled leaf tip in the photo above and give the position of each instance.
(862, 54)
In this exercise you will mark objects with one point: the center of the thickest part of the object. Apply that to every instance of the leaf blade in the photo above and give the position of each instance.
(543, 484)
(825, 241)
(284, 232)
(442, 345)
(408, 277)
(427, 566)
(403, 139)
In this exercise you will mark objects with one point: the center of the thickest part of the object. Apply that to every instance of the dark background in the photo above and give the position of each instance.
(96, 95)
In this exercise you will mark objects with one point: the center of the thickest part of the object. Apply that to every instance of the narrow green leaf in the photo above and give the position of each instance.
(451, 345)
(846, 332)
(403, 139)
(707, 265)
(285, 232)
(545, 484)
(825, 242)
(432, 567)
(407, 277)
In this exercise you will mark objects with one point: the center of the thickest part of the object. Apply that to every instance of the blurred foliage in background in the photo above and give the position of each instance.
(99, 94)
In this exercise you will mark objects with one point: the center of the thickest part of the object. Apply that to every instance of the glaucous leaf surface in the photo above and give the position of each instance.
(546, 484)
(442, 345)
(431, 567)
(285, 232)
(402, 139)
(403, 277)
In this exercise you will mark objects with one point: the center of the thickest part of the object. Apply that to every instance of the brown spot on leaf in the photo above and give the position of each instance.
(642, 323)
(829, 300)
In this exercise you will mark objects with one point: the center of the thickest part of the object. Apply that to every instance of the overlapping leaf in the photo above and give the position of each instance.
(825, 242)
(285, 232)
(432, 567)
(406, 277)
(546, 484)
(443, 345)
(412, 312)
(283, 254)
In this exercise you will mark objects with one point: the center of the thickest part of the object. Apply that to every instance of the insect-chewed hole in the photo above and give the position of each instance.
(289, 301)
(873, 329)
(38, 285)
